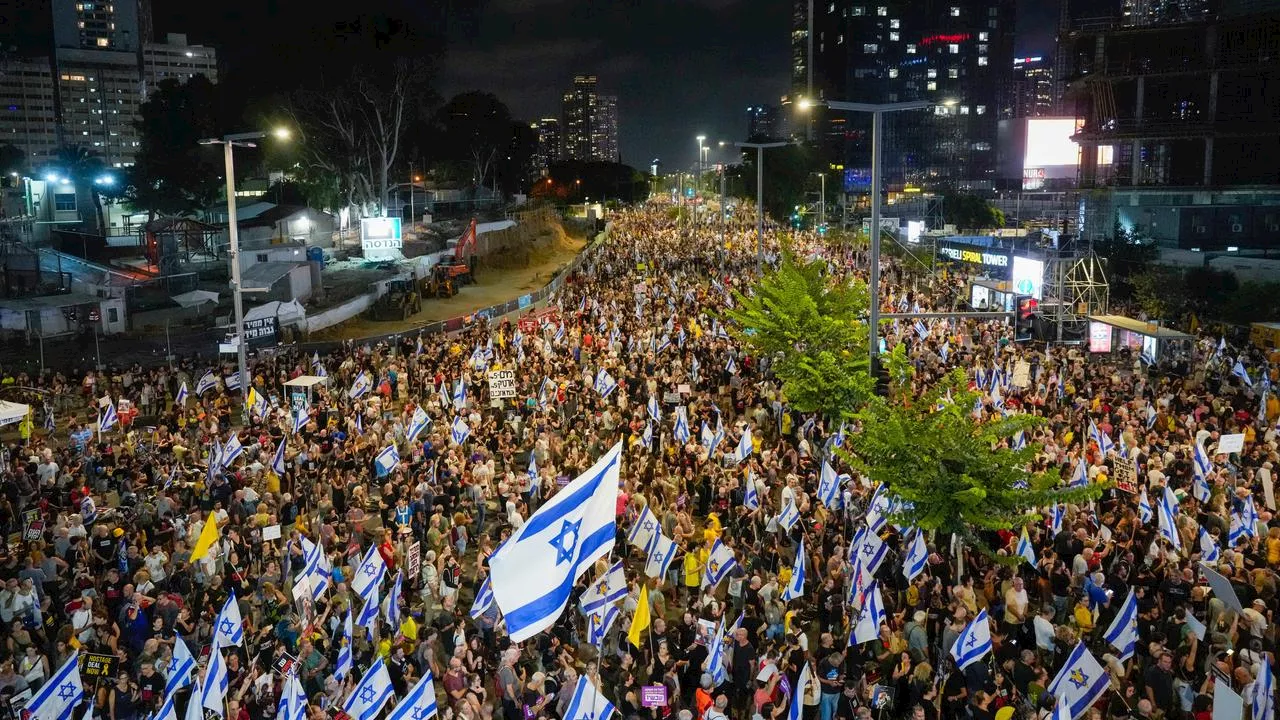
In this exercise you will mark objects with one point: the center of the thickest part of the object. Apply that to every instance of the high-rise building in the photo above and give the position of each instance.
(546, 144)
(117, 25)
(175, 59)
(88, 94)
(27, 108)
(955, 53)
(1158, 12)
(763, 123)
(1032, 92)
(1178, 144)
(604, 132)
(589, 122)
(578, 113)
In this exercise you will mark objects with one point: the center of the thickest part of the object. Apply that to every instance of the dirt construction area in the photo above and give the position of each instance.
(499, 279)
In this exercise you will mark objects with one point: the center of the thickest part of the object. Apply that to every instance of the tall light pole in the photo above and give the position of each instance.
(698, 182)
(229, 142)
(760, 148)
(822, 201)
(877, 123)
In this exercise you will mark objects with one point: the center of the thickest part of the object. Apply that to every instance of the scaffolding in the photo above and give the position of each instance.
(1075, 287)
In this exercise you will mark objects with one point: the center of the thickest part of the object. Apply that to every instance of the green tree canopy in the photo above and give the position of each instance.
(816, 330)
(956, 474)
(173, 173)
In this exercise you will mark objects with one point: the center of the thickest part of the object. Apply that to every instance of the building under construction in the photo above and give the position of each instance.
(1181, 127)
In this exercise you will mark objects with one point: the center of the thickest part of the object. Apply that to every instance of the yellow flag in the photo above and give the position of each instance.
(640, 622)
(208, 536)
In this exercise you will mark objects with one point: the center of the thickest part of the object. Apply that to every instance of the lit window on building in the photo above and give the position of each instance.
(103, 42)
(882, 11)
(870, 48)
(955, 11)
(982, 109)
(893, 36)
(932, 73)
(932, 85)
(911, 49)
(982, 36)
(982, 59)
(893, 72)
(858, 11)
(894, 24)
(953, 73)
(964, 109)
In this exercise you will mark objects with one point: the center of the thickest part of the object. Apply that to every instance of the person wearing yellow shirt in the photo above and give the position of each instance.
(1083, 615)
(409, 633)
(694, 562)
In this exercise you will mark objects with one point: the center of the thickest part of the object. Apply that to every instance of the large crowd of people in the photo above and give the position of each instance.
(102, 522)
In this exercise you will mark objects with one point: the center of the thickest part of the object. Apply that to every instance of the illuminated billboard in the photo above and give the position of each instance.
(1028, 277)
(1099, 337)
(1049, 143)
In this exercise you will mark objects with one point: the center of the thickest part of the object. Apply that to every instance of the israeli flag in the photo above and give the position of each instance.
(1201, 467)
(167, 711)
(345, 664)
(369, 613)
(57, 698)
(789, 516)
(178, 671)
(655, 410)
(745, 446)
(1080, 475)
(871, 552)
(531, 584)
(1123, 633)
(1169, 508)
(391, 606)
(720, 562)
(1151, 416)
(664, 343)
(419, 703)
(917, 556)
(647, 437)
(181, 398)
(213, 693)
(230, 626)
(870, 617)
(1056, 515)
(750, 496)
(795, 705)
(386, 461)
(417, 423)
(215, 460)
(643, 529)
(716, 664)
(605, 383)
(277, 462)
(370, 694)
(608, 589)
(300, 420)
(973, 642)
(1262, 699)
(460, 394)
(731, 367)
(681, 429)
(195, 710)
(588, 703)
(1239, 371)
(370, 573)
(1237, 534)
(293, 700)
(206, 382)
(945, 351)
(459, 431)
(1080, 682)
(232, 381)
(795, 587)
(828, 486)
(1020, 440)
(694, 366)
(535, 480)
(108, 418)
(661, 552)
(483, 601)
(1144, 507)
(599, 622)
(1249, 517)
(878, 508)
(231, 450)
(1210, 552)
(315, 567)
(1025, 549)
(360, 386)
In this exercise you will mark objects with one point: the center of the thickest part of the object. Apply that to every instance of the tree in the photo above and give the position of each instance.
(932, 453)
(965, 210)
(12, 159)
(817, 331)
(787, 176)
(1160, 291)
(1125, 257)
(473, 131)
(173, 174)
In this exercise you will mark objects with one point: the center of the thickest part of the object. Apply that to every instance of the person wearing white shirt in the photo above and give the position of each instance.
(1044, 629)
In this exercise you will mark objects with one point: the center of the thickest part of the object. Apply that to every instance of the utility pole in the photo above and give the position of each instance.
(760, 148)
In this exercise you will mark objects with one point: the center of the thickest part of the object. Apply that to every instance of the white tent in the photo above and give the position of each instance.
(286, 313)
(12, 412)
(195, 298)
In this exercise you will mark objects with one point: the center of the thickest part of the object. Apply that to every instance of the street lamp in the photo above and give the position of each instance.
(877, 111)
(760, 148)
(701, 151)
(822, 201)
(228, 143)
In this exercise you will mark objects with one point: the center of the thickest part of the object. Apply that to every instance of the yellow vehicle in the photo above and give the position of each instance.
(1265, 336)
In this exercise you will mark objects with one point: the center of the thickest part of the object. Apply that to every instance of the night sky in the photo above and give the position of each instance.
(680, 68)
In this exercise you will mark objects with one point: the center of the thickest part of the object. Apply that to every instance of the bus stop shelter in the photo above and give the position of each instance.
(1108, 333)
